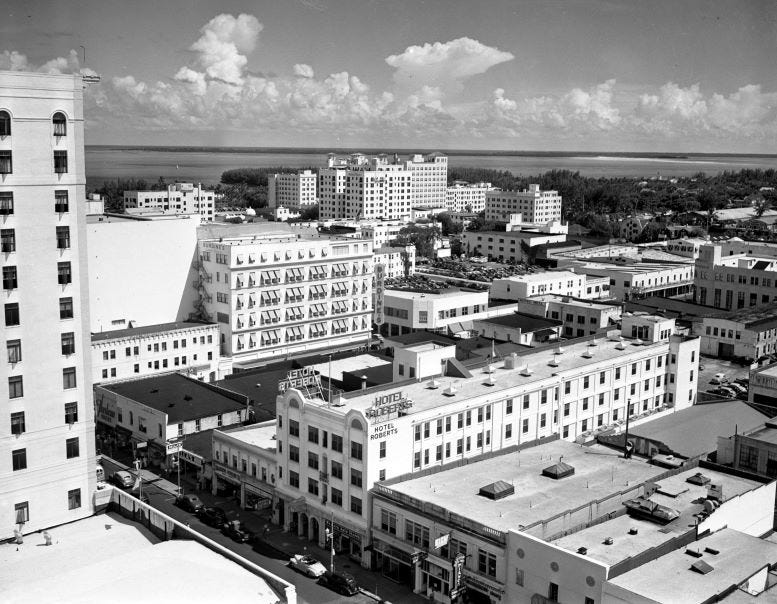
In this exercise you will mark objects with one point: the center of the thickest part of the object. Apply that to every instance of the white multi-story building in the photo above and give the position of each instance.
(331, 453)
(465, 197)
(510, 246)
(47, 442)
(405, 311)
(428, 179)
(734, 281)
(189, 347)
(538, 207)
(639, 279)
(179, 198)
(397, 261)
(285, 293)
(564, 283)
(294, 191)
(579, 317)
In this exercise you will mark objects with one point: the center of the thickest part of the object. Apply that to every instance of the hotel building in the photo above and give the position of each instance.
(179, 198)
(293, 191)
(332, 450)
(538, 207)
(465, 197)
(47, 443)
(284, 293)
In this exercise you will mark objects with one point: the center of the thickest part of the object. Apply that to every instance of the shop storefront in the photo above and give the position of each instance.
(226, 480)
(480, 591)
(258, 498)
(346, 540)
(393, 563)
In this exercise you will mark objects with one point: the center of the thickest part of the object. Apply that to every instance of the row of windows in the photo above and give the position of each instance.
(58, 121)
(61, 203)
(64, 273)
(6, 162)
(13, 317)
(322, 436)
(14, 347)
(19, 456)
(156, 347)
(22, 509)
(19, 424)
(16, 382)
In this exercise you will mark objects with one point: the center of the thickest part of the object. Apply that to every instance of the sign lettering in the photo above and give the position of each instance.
(381, 431)
(387, 404)
(299, 378)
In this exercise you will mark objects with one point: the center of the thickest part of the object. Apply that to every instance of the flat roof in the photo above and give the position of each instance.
(100, 559)
(598, 471)
(144, 330)
(181, 398)
(451, 292)
(673, 492)
(764, 317)
(577, 302)
(258, 435)
(675, 307)
(541, 277)
(537, 360)
(694, 431)
(769, 370)
(415, 337)
(634, 267)
(352, 364)
(670, 578)
(522, 321)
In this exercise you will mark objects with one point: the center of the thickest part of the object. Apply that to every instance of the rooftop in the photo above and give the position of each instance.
(633, 268)
(101, 558)
(763, 317)
(131, 332)
(577, 302)
(416, 337)
(179, 397)
(258, 435)
(673, 308)
(541, 277)
(673, 492)
(598, 472)
(451, 292)
(670, 578)
(766, 433)
(524, 322)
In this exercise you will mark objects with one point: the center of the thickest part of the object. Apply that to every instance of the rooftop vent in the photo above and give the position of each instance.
(450, 391)
(637, 342)
(693, 552)
(558, 470)
(715, 492)
(432, 384)
(633, 530)
(712, 550)
(698, 478)
(582, 550)
(608, 541)
(620, 345)
(497, 490)
(187, 397)
(489, 369)
(589, 353)
(338, 401)
(490, 381)
(511, 361)
(559, 350)
(593, 342)
(526, 371)
(701, 567)
(553, 362)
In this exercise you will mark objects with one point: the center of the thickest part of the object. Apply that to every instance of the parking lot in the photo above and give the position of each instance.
(712, 366)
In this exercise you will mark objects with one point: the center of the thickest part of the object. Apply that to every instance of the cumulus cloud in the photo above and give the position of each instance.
(444, 64)
(303, 71)
(15, 61)
(224, 44)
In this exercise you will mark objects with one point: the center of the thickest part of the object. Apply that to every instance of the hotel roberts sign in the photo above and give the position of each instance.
(297, 378)
(387, 404)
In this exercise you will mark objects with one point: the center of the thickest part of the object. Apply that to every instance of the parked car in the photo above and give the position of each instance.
(307, 565)
(235, 531)
(726, 391)
(212, 516)
(737, 388)
(742, 381)
(342, 583)
(719, 378)
(190, 503)
(123, 479)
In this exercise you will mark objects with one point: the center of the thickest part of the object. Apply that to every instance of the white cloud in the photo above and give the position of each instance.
(303, 71)
(444, 64)
(224, 44)
(13, 61)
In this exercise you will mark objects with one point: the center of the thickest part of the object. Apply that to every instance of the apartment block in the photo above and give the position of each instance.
(465, 197)
(734, 281)
(511, 246)
(579, 317)
(333, 450)
(293, 191)
(284, 293)
(428, 179)
(536, 206)
(179, 198)
(47, 442)
(397, 261)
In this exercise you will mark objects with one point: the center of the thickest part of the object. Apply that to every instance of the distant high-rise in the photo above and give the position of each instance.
(295, 191)
(47, 446)
(535, 206)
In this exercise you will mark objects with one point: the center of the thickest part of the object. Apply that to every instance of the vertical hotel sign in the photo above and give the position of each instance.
(380, 277)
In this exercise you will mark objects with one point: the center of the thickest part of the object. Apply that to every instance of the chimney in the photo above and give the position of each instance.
(364, 382)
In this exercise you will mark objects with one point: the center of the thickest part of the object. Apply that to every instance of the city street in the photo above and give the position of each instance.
(274, 548)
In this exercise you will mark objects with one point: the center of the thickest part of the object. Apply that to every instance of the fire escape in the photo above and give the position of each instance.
(203, 297)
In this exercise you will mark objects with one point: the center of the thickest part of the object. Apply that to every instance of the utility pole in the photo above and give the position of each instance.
(330, 537)
(626, 446)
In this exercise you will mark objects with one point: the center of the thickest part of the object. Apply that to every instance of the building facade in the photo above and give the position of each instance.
(397, 261)
(639, 279)
(537, 207)
(293, 191)
(285, 294)
(407, 311)
(179, 198)
(465, 197)
(428, 179)
(47, 442)
(734, 281)
(510, 246)
(189, 347)
(746, 334)
(563, 283)
(579, 317)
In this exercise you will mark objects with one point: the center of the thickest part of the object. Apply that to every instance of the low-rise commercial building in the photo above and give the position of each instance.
(509, 246)
(578, 317)
(763, 386)
(292, 190)
(536, 206)
(332, 450)
(189, 347)
(520, 328)
(178, 198)
(517, 287)
(638, 279)
(434, 310)
(750, 333)
(734, 281)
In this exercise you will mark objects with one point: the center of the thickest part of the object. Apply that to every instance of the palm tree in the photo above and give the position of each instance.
(760, 206)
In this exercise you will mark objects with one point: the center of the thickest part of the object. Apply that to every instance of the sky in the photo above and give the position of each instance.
(545, 75)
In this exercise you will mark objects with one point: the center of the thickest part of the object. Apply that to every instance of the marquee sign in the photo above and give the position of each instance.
(299, 378)
(386, 404)
(380, 277)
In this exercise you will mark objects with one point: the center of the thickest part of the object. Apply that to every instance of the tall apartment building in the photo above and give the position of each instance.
(736, 281)
(47, 446)
(180, 198)
(293, 191)
(539, 207)
(428, 179)
(465, 197)
(281, 293)
(332, 452)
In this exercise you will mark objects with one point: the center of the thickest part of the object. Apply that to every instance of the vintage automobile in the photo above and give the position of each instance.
(307, 565)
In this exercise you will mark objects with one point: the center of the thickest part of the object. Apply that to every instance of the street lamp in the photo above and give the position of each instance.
(330, 538)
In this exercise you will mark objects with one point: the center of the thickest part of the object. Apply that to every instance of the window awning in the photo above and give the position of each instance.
(319, 290)
(340, 324)
(340, 286)
(340, 306)
(269, 336)
(251, 258)
(294, 291)
(294, 331)
(318, 328)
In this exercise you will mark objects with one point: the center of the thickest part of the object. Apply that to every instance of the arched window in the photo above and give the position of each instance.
(5, 123)
(293, 403)
(356, 424)
(60, 124)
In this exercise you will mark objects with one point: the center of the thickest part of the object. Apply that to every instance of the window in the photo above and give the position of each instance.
(72, 448)
(17, 423)
(68, 343)
(61, 202)
(60, 162)
(19, 459)
(10, 280)
(22, 512)
(66, 308)
(356, 450)
(388, 521)
(553, 592)
(525, 401)
(197, 425)
(14, 351)
(519, 577)
(5, 123)
(74, 499)
(586, 381)
(69, 378)
(416, 534)
(7, 240)
(15, 387)
(12, 314)
(508, 406)
(525, 425)
(337, 497)
(294, 453)
(312, 460)
(486, 563)
(312, 486)
(63, 238)
(356, 478)
(60, 124)
(6, 166)
(6, 203)
(337, 469)
(313, 434)
(509, 431)
(748, 457)
(293, 479)
(293, 428)
(64, 273)
(356, 505)
(382, 454)
(337, 443)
